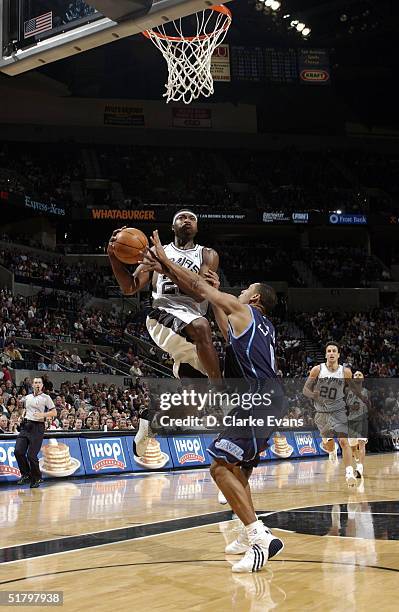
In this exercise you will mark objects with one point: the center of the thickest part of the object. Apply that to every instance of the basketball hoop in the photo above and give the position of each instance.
(189, 57)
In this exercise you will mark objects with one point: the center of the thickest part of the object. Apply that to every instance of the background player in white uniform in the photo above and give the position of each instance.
(177, 323)
(325, 385)
(357, 419)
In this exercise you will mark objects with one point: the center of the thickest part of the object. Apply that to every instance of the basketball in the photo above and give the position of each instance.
(128, 245)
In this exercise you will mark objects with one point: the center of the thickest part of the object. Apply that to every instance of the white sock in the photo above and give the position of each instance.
(255, 530)
(349, 470)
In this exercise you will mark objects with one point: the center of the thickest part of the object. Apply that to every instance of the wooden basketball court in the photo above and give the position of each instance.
(156, 542)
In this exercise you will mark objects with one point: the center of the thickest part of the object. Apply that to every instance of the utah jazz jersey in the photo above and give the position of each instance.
(254, 348)
(166, 294)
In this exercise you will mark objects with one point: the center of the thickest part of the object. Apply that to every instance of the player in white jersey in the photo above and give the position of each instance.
(326, 386)
(177, 322)
(357, 419)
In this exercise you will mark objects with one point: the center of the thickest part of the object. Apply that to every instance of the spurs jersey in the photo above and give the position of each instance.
(331, 386)
(167, 295)
(357, 407)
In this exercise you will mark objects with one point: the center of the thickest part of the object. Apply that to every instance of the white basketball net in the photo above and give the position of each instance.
(189, 57)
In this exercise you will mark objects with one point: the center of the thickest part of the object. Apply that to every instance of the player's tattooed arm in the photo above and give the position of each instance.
(309, 390)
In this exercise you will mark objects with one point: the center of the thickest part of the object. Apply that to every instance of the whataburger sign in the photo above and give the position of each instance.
(125, 215)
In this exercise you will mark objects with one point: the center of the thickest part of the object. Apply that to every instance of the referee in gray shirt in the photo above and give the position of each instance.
(38, 407)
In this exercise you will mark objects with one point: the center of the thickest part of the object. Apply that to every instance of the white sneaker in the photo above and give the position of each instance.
(143, 436)
(240, 545)
(256, 557)
(359, 470)
(221, 498)
(350, 477)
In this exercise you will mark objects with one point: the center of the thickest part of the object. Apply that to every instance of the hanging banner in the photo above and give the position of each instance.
(347, 219)
(220, 64)
(123, 116)
(192, 117)
(125, 215)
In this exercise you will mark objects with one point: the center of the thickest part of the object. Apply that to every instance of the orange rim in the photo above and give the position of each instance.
(218, 8)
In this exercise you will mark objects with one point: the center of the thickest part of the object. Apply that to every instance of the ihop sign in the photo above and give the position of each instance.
(8, 464)
(106, 454)
(188, 451)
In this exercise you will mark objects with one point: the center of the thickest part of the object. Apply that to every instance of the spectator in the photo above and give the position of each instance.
(12, 352)
(3, 424)
(6, 374)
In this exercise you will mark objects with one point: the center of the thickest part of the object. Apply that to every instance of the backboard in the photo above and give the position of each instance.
(38, 32)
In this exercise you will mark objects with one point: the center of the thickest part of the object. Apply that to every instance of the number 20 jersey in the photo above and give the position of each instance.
(331, 386)
(167, 295)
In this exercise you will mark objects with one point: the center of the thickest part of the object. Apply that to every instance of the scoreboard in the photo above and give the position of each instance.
(280, 66)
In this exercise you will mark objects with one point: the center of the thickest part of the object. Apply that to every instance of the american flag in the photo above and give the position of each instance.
(38, 24)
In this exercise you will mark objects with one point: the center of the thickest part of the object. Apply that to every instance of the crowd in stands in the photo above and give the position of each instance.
(81, 405)
(53, 324)
(57, 273)
(165, 175)
(369, 340)
(244, 263)
(342, 266)
(97, 406)
(226, 179)
(374, 170)
(44, 172)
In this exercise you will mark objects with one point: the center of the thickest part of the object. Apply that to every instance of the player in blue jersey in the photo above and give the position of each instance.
(252, 338)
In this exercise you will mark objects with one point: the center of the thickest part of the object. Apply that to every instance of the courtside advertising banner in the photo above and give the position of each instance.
(188, 451)
(322, 451)
(265, 455)
(156, 457)
(61, 457)
(9, 470)
(206, 441)
(282, 445)
(105, 455)
(305, 443)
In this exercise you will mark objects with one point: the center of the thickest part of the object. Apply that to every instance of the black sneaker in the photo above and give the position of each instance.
(23, 480)
(35, 484)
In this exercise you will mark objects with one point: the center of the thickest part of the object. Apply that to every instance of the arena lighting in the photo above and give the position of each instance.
(275, 5)
(338, 212)
(268, 3)
(286, 16)
(306, 31)
(294, 23)
(300, 26)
